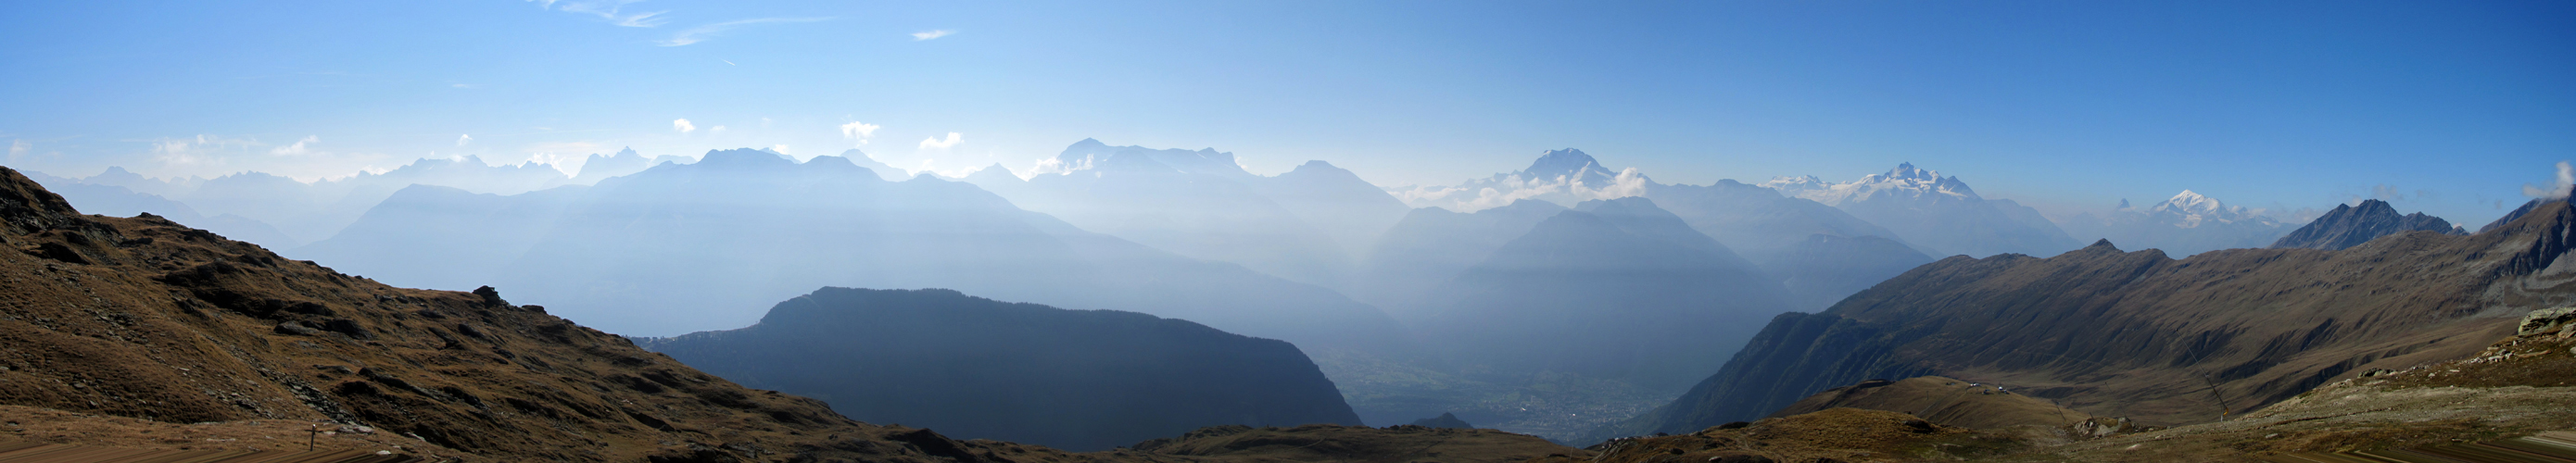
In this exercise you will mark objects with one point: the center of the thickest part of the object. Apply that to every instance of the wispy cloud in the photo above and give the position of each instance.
(18, 147)
(465, 86)
(2566, 179)
(931, 34)
(612, 10)
(683, 126)
(702, 33)
(860, 131)
(934, 143)
(296, 149)
(716, 129)
(463, 139)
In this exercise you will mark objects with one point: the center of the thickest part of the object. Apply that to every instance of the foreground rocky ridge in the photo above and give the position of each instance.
(2140, 335)
(145, 318)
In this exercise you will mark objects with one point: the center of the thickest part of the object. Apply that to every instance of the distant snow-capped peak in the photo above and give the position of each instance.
(1904, 181)
(2191, 209)
(1565, 176)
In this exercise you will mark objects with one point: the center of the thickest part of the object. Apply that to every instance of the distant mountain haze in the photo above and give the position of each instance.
(2351, 225)
(975, 368)
(1567, 297)
(689, 247)
(1936, 213)
(1432, 245)
(2186, 224)
(1305, 225)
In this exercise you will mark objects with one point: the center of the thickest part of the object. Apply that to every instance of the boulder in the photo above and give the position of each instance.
(2546, 321)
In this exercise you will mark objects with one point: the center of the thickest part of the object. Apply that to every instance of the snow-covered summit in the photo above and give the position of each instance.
(1564, 176)
(1904, 181)
(2190, 209)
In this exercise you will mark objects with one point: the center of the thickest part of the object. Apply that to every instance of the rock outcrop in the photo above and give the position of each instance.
(978, 368)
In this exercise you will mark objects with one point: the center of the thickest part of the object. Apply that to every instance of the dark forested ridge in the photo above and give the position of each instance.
(978, 368)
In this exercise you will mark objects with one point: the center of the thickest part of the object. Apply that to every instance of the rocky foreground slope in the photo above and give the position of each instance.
(144, 318)
(2140, 335)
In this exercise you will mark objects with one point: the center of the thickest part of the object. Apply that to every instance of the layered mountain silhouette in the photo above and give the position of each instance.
(2142, 335)
(303, 212)
(977, 368)
(1565, 298)
(2351, 225)
(2183, 225)
(1433, 245)
(1304, 225)
(684, 248)
(1938, 214)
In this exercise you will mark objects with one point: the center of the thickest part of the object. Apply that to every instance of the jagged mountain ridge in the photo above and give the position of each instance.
(2132, 333)
(2350, 225)
(976, 368)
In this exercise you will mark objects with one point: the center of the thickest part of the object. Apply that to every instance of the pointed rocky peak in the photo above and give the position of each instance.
(2124, 204)
(2102, 244)
(1559, 163)
(2351, 225)
(628, 151)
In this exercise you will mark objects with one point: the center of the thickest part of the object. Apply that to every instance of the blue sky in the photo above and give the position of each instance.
(2447, 107)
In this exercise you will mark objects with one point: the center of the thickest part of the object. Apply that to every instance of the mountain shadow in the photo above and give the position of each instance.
(977, 368)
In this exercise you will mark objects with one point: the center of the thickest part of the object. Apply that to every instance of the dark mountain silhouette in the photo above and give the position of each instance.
(149, 319)
(2348, 225)
(978, 368)
(1565, 297)
(689, 247)
(2136, 333)
(1203, 205)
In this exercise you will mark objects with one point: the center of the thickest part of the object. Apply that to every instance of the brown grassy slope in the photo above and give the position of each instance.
(1325, 442)
(1839, 434)
(2136, 334)
(1943, 401)
(2486, 395)
(144, 318)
